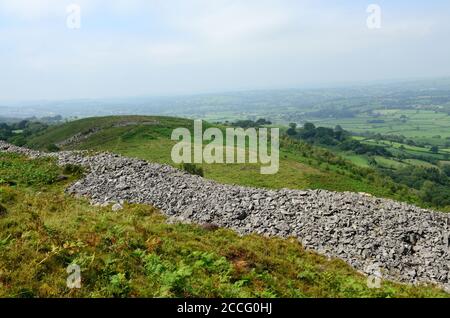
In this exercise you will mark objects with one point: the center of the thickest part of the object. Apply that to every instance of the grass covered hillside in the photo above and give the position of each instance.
(135, 253)
(423, 167)
(301, 166)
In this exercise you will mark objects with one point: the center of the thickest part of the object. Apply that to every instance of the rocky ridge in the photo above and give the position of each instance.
(379, 237)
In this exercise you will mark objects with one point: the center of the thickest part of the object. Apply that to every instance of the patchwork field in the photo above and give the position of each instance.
(422, 125)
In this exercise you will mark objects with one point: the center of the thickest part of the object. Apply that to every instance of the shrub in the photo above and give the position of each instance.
(192, 169)
(53, 148)
(73, 170)
(3, 210)
(119, 286)
(7, 195)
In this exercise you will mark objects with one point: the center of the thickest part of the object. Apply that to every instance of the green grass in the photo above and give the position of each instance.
(389, 163)
(136, 253)
(419, 163)
(14, 169)
(356, 159)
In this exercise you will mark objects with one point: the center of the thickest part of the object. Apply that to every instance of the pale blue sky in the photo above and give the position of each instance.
(161, 47)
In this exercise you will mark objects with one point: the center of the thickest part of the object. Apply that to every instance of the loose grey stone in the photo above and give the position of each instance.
(117, 207)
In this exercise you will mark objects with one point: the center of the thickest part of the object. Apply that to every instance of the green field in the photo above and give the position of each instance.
(356, 159)
(404, 151)
(422, 125)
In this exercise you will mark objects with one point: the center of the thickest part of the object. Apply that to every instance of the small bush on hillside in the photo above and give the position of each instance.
(192, 169)
(73, 170)
(7, 195)
(118, 286)
(53, 148)
(3, 210)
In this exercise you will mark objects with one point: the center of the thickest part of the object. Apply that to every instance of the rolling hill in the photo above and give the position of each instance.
(148, 137)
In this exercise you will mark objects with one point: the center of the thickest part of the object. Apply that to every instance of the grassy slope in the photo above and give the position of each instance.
(152, 142)
(135, 253)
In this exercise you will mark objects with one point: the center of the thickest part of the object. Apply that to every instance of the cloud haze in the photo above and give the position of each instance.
(142, 47)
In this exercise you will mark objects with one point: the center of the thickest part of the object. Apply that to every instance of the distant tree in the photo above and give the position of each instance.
(434, 149)
(309, 126)
(372, 161)
(263, 121)
(250, 123)
(339, 133)
(446, 169)
(292, 131)
(22, 125)
(427, 191)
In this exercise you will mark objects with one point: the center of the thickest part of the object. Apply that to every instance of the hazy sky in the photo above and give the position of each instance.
(159, 47)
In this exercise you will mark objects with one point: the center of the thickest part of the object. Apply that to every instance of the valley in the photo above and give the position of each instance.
(371, 158)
